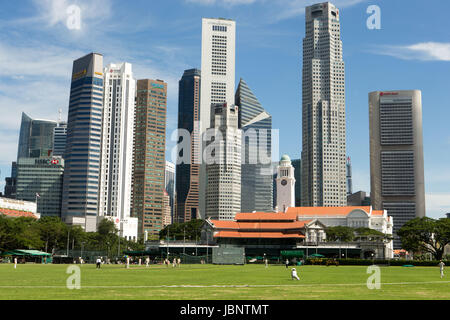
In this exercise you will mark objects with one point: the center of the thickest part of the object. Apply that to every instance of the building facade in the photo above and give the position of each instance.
(116, 163)
(149, 156)
(83, 145)
(256, 171)
(396, 155)
(59, 139)
(188, 172)
(40, 180)
(223, 168)
(323, 109)
(169, 185)
(218, 79)
(36, 137)
(297, 164)
(18, 208)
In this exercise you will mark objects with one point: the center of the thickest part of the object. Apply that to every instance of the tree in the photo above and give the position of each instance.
(425, 235)
(52, 232)
(187, 230)
(341, 233)
(19, 233)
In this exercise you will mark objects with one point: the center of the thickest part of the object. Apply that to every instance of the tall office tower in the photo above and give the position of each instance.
(167, 215)
(169, 184)
(349, 177)
(218, 78)
(285, 184)
(396, 155)
(43, 177)
(82, 155)
(297, 164)
(36, 137)
(256, 170)
(223, 168)
(149, 156)
(188, 172)
(117, 148)
(59, 139)
(323, 110)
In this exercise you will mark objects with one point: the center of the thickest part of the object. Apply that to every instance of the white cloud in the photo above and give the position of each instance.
(437, 204)
(425, 51)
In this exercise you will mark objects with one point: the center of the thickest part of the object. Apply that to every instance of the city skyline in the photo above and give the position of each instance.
(432, 82)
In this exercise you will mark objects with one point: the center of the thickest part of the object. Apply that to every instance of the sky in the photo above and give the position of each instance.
(410, 50)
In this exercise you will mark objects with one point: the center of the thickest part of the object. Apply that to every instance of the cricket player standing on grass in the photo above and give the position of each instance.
(441, 268)
(294, 274)
(15, 262)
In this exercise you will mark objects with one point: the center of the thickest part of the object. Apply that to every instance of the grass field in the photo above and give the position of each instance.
(213, 282)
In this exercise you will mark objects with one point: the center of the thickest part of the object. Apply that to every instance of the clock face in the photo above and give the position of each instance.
(283, 182)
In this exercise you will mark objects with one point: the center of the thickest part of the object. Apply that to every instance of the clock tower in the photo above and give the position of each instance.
(285, 184)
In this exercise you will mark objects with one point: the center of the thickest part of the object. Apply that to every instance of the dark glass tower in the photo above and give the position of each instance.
(187, 174)
(36, 137)
(256, 173)
(82, 155)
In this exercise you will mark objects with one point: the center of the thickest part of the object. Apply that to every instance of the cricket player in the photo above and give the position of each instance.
(15, 263)
(128, 262)
(294, 274)
(147, 261)
(441, 268)
(99, 263)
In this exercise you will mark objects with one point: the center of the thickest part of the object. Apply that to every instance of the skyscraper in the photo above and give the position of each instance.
(117, 148)
(256, 171)
(59, 139)
(297, 164)
(396, 155)
(36, 137)
(82, 156)
(349, 177)
(188, 174)
(218, 78)
(323, 109)
(40, 180)
(223, 168)
(169, 184)
(149, 155)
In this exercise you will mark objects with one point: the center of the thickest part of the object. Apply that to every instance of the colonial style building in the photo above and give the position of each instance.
(304, 228)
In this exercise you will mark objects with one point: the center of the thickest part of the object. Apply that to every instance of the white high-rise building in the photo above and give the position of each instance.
(223, 191)
(323, 116)
(117, 148)
(218, 78)
(285, 184)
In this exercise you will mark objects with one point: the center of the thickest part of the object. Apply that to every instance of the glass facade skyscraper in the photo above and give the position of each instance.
(43, 177)
(82, 156)
(36, 137)
(256, 172)
(187, 174)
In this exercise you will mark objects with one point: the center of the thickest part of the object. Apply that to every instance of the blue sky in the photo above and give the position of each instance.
(163, 38)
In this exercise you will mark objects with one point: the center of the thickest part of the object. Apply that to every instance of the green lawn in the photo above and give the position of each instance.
(211, 282)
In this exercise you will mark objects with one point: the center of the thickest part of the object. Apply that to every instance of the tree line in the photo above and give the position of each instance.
(50, 234)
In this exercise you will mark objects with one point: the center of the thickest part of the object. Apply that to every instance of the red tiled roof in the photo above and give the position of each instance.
(325, 211)
(262, 225)
(16, 213)
(270, 235)
(256, 216)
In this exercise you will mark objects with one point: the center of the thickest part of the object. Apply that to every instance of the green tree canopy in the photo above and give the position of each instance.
(341, 233)
(188, 230)
(425, 235)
